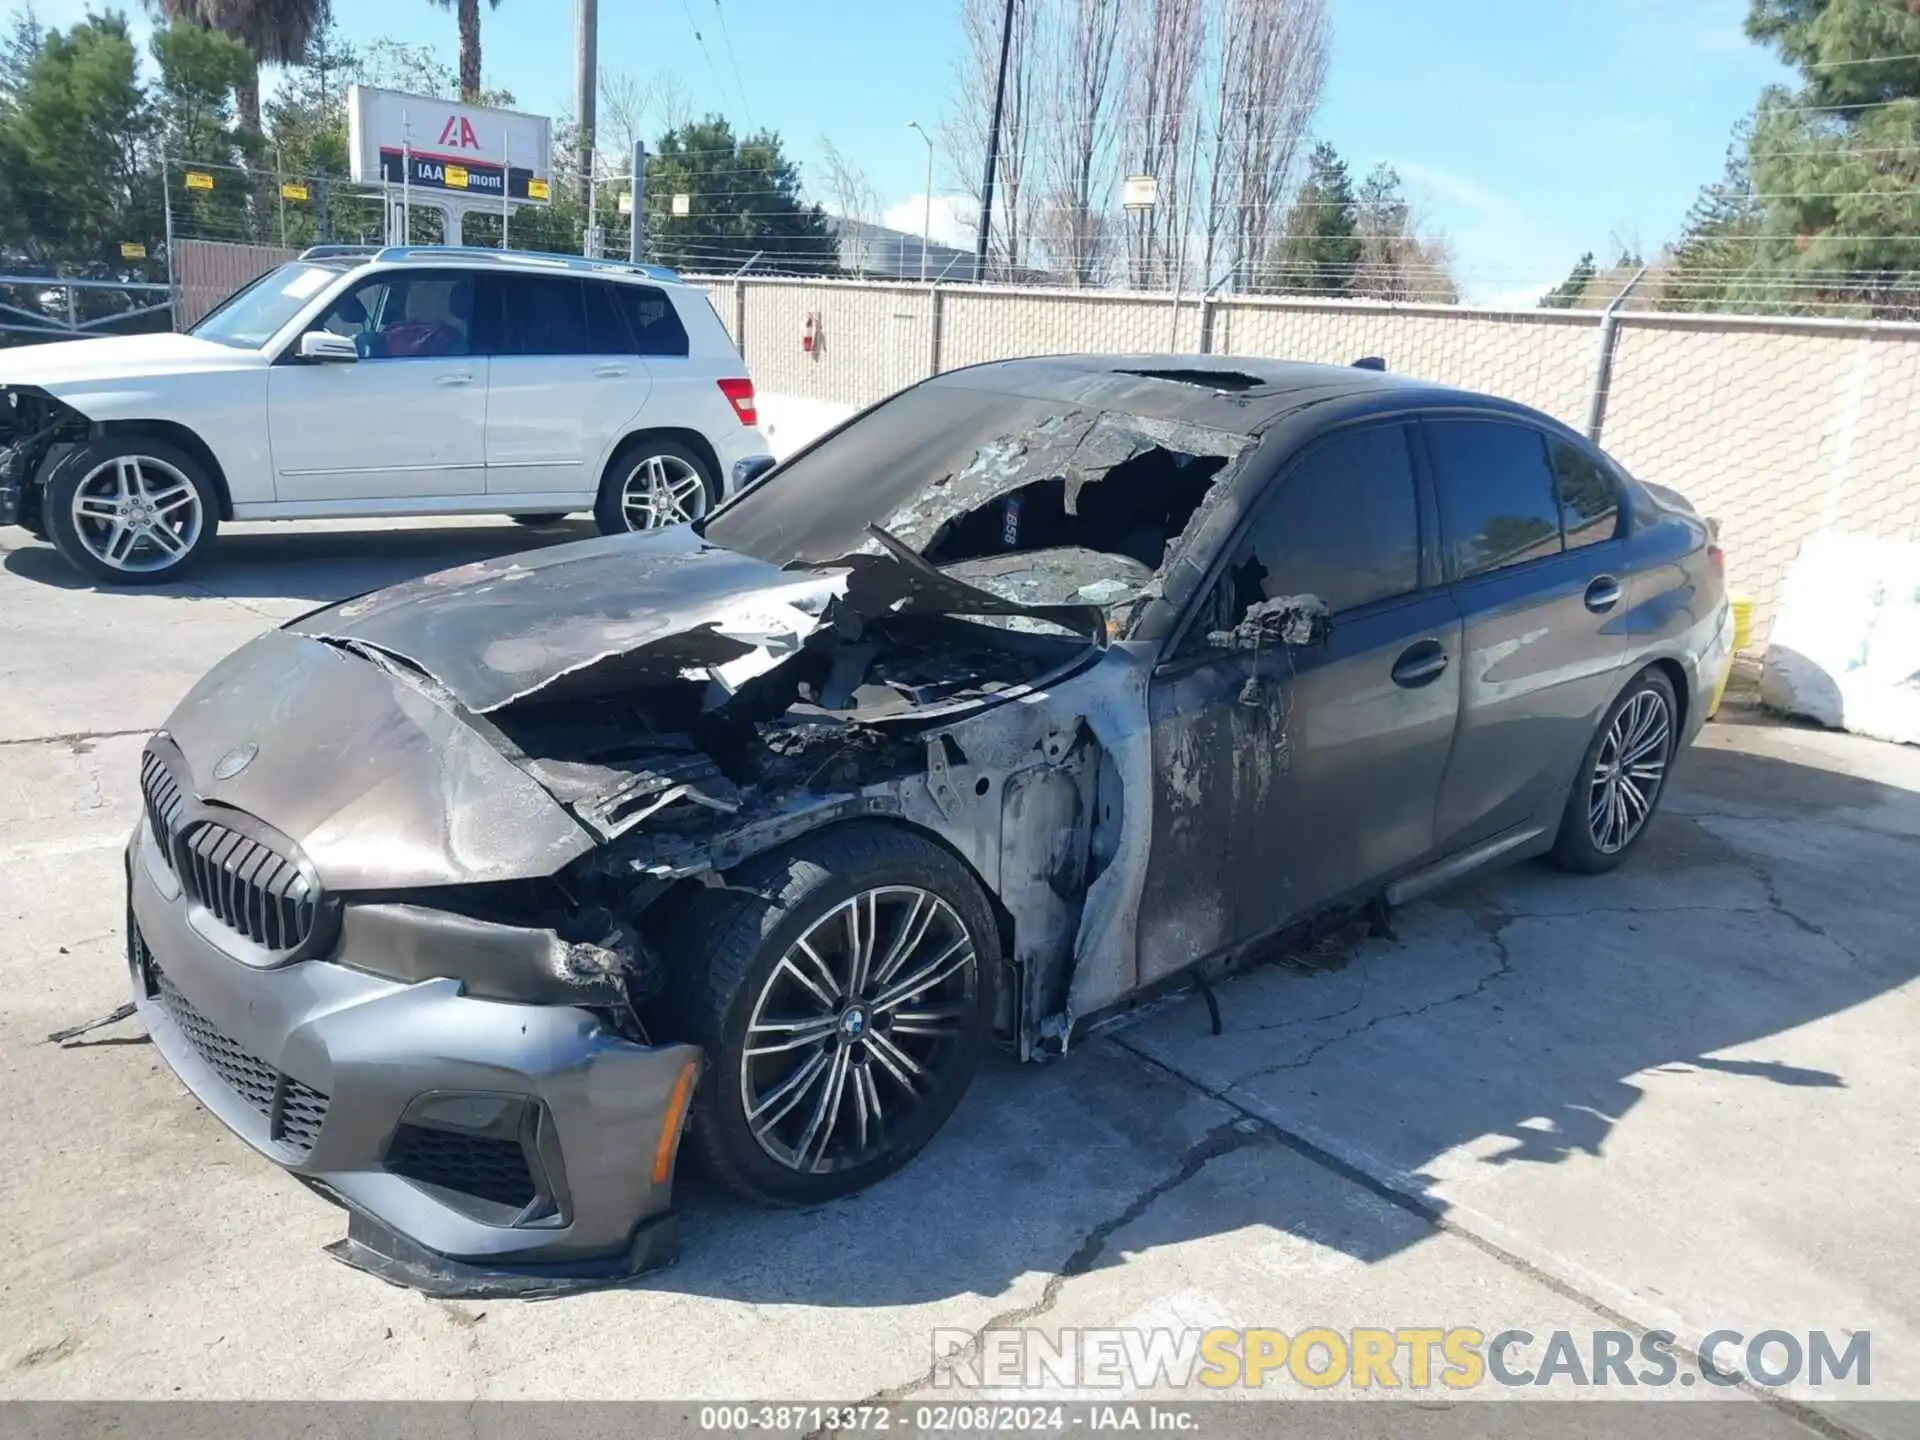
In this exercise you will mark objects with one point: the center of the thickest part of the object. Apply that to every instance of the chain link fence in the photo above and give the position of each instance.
(1777, 427)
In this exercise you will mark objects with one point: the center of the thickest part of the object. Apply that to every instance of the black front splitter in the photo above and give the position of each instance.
(385, 1253)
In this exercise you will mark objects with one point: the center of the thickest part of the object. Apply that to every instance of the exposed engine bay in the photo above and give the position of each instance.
(689, 705)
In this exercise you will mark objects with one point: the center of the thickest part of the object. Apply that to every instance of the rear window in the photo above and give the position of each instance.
(650, 315)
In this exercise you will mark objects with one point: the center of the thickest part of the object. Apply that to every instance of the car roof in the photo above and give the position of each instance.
(536, 261)
(1234, 393)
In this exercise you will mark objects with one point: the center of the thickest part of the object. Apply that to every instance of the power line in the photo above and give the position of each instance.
(726, 36)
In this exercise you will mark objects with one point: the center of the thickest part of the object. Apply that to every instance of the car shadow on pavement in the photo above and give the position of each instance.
(269, 562)
(1517, 1020)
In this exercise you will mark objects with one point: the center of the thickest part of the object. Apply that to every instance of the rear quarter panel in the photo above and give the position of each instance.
(1676, 603)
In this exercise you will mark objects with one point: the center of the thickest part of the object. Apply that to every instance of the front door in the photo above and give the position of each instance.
(1291, 778)
(567, 379)
(1531, 530)
(407, 419)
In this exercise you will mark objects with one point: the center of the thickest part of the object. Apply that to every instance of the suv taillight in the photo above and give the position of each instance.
(740, 392)
(1717, 558)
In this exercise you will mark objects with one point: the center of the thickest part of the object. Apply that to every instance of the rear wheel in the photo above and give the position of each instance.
(844, 991)
(1622, 777)
(652, 484)
(129, 510)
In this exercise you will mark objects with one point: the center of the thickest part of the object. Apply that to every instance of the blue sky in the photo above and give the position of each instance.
(1527, 130)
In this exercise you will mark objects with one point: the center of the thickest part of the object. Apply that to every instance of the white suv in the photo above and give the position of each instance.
(404, 381)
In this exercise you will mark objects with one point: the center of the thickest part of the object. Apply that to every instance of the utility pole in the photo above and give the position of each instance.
(926, 207)
(637, 236)
(586, 86)
(993, 147)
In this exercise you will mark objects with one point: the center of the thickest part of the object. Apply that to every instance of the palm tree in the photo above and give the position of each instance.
(469, 12)
(274, 32)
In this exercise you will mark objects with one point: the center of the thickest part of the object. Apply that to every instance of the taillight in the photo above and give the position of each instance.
(1717, 558)
(740, 392)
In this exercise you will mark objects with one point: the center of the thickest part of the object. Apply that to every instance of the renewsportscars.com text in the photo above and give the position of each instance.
(1403, 1358)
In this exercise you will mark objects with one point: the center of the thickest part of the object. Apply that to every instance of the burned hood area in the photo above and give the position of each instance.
(916, 621)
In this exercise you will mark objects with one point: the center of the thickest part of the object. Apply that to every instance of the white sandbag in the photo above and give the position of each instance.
(1845, 645)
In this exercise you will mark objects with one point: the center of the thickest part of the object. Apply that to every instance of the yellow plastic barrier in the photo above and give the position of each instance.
(1742, 636)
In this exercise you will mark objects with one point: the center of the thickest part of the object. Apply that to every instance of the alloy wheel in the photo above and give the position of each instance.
(856, 1027)
(137, 514)
(662, 490)
(1628, 771)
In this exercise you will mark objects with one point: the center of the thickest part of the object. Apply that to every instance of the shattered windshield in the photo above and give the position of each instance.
(1038, 501)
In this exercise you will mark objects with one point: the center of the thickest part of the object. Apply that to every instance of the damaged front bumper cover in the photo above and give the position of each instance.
(482, 1147)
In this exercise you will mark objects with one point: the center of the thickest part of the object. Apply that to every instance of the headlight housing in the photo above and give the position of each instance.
(587, 958)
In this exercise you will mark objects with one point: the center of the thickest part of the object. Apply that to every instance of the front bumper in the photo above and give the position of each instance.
(483, 1147)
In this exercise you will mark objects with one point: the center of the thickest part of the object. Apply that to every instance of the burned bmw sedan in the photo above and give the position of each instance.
(1026, 691)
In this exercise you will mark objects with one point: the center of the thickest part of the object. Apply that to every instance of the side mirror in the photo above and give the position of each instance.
(327, 348)
(1285, 620)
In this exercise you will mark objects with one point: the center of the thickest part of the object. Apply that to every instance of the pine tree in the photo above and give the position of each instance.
(1569, 292)
(1716, 264)
(1320, 247)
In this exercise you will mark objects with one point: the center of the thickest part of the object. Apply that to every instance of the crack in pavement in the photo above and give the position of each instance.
(1777, 903)
(1504, 968)
(1434, 1212)
(76, 737)
(1222, 1139)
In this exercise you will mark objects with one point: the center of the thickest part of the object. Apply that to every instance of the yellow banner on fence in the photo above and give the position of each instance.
(292, 190)
(199, 180)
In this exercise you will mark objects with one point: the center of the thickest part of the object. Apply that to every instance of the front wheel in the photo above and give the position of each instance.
(652, 484)
(844, 991)
(1622, 776)
(129, 510)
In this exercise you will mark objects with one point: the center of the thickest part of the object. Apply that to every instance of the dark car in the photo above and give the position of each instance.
(1029, 689)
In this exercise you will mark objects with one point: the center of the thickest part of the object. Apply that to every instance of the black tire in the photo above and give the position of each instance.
(729, 943)
(610, 513)
(149, 563)
(1577, 848)
(553, 517)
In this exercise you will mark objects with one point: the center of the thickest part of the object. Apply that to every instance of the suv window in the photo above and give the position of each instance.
(1589, 502)
(653, 319)
(405, 315)
(543, 315)
(1343, 524)
(607, 323)
(1497, 502)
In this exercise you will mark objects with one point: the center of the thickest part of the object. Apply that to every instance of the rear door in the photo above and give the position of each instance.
(1531, 532)
(1292, 777)
(567, 380)
(408, 418)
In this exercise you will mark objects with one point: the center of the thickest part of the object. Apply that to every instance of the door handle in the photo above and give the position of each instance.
(1419, 665)
(462, 378)
(1603, 594)
(610, 372)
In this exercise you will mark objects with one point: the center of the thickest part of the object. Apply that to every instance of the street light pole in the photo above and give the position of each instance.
(926, 208)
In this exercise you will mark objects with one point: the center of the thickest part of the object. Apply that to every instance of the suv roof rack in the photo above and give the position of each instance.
(469, 254)
(335, 252)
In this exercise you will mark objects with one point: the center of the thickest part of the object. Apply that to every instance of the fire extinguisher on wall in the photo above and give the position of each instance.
(810, 335)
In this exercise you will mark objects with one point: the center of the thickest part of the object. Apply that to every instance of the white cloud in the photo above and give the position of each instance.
(1498, 243)
(952, 222)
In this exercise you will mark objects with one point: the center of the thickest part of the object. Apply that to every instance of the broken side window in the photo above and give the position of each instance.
(974, 481)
